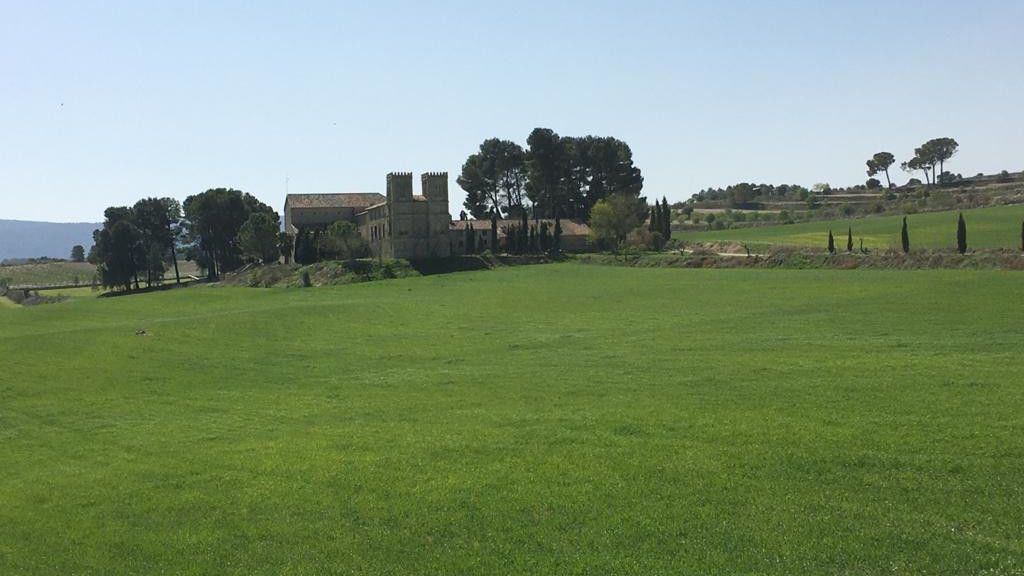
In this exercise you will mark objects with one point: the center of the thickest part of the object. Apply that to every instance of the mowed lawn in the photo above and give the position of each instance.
(998, 227)
(559, 419)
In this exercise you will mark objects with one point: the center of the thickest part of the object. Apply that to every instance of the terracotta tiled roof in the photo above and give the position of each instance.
(569, 227)
(349, 200)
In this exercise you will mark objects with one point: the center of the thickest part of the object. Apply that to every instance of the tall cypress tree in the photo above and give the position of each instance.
(905, 237)
(961, 235)
(652, 221)
(849, 240)
(524, 232)
(831, 243)
(494, 231)
(556, 239)
(666, 212)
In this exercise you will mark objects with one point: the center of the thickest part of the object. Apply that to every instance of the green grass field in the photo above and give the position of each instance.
(998, 227)
(558, 419)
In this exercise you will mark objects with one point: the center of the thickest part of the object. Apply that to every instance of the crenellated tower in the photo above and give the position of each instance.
(399, 187)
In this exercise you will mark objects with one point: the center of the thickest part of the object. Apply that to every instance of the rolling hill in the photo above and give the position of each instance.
(27, 239)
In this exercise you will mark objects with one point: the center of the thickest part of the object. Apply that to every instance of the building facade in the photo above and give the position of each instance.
(399, 224)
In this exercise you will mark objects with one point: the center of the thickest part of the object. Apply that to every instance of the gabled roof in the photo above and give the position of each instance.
(347, 200)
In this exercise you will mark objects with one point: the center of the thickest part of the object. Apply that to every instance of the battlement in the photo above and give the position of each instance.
(435, 186)
(399, 187)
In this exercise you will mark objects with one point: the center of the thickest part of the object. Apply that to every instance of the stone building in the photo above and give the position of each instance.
(399, 224)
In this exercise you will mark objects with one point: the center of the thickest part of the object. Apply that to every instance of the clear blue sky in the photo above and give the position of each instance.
(102, 103)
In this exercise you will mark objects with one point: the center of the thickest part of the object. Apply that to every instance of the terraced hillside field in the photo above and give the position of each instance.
(996, 227)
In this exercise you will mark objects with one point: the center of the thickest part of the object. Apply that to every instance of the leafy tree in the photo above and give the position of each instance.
(597, 168)
(568, 176)
(118, 249)
(157, 220)
(831, 243)
(873, 184)
(494, 178)
(78, 253)
(849, 240)
(285, 245)
(918, 163)
(905, 236)
(547, 164)
(613, 218)
(258, 238)
(880, 163)
(213, 220)
(342, 241)
(961, 235)
(938, 151)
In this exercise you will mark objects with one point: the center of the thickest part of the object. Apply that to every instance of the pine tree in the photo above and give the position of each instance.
(831, 243)
(849, 240)
(961, 235)
(905, 237)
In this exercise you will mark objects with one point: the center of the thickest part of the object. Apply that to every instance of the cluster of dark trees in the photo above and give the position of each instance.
(660, 220)
(524, 237)
(137, 240)
(562, 177)
(339, 241)
(219, 229)
(747, 194)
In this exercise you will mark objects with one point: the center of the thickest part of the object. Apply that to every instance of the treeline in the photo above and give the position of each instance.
(219, 229)
(930, 158)
(553, 177)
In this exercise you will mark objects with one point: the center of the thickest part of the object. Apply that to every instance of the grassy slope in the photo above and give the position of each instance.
(548, 419)
(997, 227)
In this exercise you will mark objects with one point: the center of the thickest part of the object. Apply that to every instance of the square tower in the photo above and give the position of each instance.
(399, 187)
(435, 187)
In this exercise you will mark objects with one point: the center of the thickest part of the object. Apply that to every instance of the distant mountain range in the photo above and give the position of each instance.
(24, 239)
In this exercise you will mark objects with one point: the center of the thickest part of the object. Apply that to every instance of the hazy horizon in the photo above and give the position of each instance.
(110, 102)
